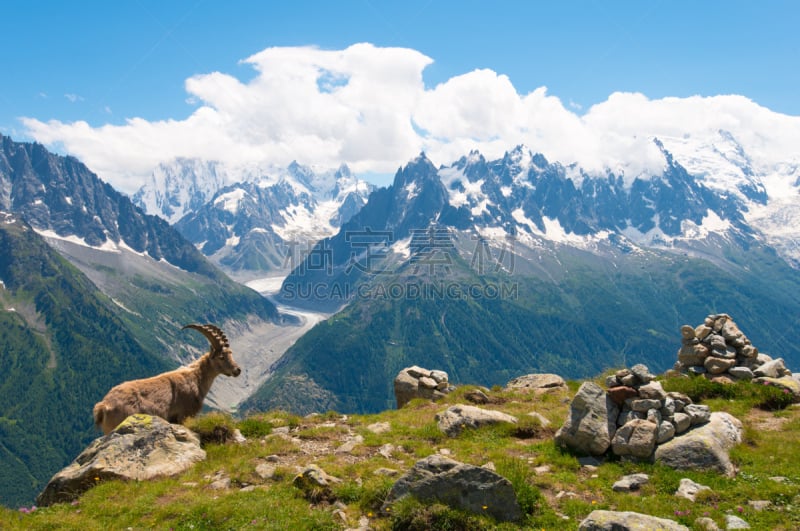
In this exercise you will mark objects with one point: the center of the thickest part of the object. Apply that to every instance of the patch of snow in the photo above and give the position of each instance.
(302, 223)
(230, 201)
(402, 248)
(412, 190)
(233, 241)
(480, 208)
(519, 216)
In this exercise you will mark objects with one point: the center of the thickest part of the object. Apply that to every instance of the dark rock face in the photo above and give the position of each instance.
(61, 194)
(459, 485)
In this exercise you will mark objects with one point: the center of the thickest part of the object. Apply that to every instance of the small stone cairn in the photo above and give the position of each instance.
(416, 382)
(648, 415)
(630, 418)
(718, 350)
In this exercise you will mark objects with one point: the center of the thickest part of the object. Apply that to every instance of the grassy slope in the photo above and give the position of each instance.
(50, 354)
(189, 502)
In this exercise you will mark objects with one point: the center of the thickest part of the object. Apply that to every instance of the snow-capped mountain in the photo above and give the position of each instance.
(729, 198)
(253, 220)
(492, 267)
(180, 186)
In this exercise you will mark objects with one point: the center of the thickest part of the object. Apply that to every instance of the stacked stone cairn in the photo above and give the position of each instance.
(648, 415)
(719, 351)
(416, 382)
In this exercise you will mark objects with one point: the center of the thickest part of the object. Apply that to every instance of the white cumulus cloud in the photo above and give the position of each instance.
(368, 106)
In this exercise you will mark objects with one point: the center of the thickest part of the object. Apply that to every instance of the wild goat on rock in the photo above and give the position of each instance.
(173, 395)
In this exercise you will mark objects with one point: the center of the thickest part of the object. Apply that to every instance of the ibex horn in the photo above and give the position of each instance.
(214, 335)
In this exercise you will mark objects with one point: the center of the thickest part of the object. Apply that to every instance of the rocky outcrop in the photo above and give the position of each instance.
(591, 423)
(719, 350)
(142, 447)
(627, 521)
(454, 419)
(416, 382)
(470, 488)
(704, 448)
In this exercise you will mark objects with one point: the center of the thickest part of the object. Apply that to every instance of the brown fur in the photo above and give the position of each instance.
(173, 395)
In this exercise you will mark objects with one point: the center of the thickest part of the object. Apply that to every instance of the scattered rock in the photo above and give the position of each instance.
(458, 485)
(706, 523)
(734, 522)
(349, 445)
(543, 422)
(379, 427)
(266, 470)
(476, 396)
(759, 505)
(689, 489)
(773, 369)
(627, 521)
(453, 420)
(142, 447)
(315, 484)
(789, 383)
(631, 482)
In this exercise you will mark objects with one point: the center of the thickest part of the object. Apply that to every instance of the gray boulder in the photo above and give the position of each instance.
(591, 423)
(637, 438)
(734, 522)
(705, 447)
(454, 419)
(142, 447)
(631, 482)
(627, 521)
(773, 369)
(467, 487)
(689, 489)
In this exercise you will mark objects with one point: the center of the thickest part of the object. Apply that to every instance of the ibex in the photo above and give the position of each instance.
(173, 395)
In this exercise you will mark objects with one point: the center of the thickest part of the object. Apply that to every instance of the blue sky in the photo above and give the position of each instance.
(106, 63)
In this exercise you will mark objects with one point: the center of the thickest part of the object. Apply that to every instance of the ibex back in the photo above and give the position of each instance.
(173, 395)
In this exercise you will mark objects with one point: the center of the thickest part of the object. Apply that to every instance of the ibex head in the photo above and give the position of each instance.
(221, 355)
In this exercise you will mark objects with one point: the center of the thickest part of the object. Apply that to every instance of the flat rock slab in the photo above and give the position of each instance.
(627, 521)
(454, 419)
(537, 382)
(142, 447)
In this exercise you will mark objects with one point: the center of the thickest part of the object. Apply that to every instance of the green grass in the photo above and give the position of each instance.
(558, 497)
